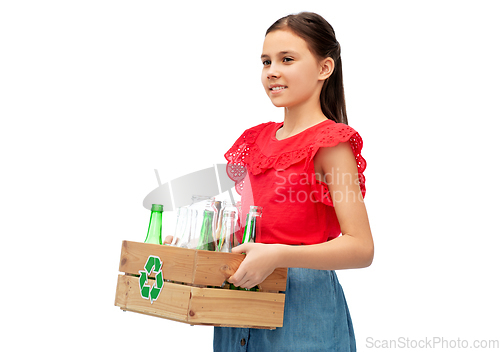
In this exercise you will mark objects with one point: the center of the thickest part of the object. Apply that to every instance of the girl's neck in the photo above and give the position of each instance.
(298, 119)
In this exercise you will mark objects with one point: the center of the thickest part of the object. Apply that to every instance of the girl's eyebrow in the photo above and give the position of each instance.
(286, 52)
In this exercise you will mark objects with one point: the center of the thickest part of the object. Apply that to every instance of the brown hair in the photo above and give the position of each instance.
(320, 37)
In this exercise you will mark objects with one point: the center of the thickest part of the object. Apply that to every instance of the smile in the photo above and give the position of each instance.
(277, 89)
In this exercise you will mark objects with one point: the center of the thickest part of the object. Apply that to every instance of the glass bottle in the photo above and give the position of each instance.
(228, 228)
(221, 210)
(155, 223)
(251, 231)
(190, 225)
(252, 225)
(239, 226)
(206, 240)
(225, 206)
(181, 225)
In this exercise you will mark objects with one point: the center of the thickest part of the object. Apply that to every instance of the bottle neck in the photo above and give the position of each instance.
(155, 227)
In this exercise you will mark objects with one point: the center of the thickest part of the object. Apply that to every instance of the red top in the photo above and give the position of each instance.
(297, 208)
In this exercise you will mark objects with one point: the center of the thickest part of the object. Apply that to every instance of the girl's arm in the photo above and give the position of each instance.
(354, 249)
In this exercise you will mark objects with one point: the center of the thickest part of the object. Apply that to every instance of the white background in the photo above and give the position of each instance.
(95, 95)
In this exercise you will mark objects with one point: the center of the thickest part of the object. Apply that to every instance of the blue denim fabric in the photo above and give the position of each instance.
(316, 318)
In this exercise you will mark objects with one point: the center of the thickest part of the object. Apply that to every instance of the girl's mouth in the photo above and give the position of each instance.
(277, 89)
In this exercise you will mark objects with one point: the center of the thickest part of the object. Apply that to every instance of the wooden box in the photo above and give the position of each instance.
(185, 285)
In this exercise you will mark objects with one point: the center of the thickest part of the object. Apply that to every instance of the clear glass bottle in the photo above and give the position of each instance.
(239, 225)
(218, 229)
(181, 225)
(155, 224)
(225, 205)
(228, 228)
(190, 222)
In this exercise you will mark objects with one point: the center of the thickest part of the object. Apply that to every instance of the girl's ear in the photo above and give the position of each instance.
(327, 67)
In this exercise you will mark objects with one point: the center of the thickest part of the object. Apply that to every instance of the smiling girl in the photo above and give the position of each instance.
(307, 174)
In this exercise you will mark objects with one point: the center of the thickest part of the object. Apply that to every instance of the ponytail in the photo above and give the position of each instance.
(332, 95)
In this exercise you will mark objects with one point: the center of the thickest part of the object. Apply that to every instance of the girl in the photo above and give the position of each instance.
(307, 174)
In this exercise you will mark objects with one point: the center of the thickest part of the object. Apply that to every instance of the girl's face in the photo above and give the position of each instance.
(291, 74)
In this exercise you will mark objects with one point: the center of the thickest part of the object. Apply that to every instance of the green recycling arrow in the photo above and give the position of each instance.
(153, 265)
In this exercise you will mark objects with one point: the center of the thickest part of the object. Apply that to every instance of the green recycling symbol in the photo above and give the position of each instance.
(153, 265)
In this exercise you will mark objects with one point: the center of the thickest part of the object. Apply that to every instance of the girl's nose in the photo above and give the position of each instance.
(272, 72)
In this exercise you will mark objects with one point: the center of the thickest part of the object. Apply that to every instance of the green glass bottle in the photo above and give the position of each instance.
(155, 222)
(206, 240)
(252, 225)
(252, 230)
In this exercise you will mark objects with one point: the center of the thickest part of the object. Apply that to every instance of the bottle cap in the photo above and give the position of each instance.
(157, 207)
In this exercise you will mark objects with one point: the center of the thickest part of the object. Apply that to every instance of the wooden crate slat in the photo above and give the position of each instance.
(276, 281)
(172, 303)
(213, 268)
(178, 263)
(203, 306)
(236, 308)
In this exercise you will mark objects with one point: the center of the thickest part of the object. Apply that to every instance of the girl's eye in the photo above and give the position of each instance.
(266, 62)
(287, 59)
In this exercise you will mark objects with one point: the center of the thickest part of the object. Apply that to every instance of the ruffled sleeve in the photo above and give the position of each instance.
(330, 137)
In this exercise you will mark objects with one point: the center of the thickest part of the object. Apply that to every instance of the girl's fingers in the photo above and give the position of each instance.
(168, 239)
(239, 249)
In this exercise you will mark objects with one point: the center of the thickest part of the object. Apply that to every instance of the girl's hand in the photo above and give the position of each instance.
(260, 261)
(168, 239)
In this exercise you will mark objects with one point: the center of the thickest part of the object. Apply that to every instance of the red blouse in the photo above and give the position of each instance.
(279, 176)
